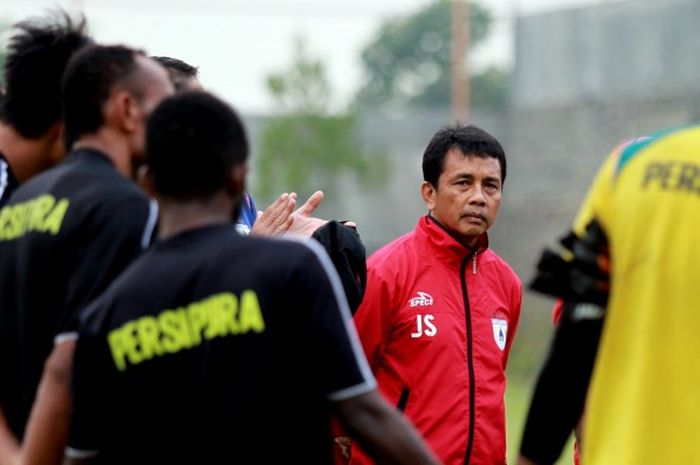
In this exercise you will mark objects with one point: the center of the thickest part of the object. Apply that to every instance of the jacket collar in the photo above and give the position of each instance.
(444, 245)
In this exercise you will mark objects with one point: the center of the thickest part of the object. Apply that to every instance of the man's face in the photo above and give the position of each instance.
(468, 195)
(156, 87)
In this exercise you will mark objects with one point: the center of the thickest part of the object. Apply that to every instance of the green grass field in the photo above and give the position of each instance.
(517, 401)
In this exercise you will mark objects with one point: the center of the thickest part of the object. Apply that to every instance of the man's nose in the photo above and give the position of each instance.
(477, 196)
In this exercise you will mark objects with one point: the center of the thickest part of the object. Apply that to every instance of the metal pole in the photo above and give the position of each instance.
(460, 69)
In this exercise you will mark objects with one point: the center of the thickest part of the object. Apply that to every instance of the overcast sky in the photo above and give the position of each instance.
(236, 43)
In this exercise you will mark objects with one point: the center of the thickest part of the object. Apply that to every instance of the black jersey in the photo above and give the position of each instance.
(8, 182)
(216, 348)
(64, 236)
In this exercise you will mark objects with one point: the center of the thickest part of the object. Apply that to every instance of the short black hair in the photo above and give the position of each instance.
(88, 82)
(193, 140)
(37, 55)
(470, 140)
(178, 71)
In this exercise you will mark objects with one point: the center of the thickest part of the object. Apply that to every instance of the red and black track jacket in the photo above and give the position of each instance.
(437, 323)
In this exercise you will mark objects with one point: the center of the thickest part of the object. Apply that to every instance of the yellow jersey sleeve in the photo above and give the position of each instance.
(599, 195)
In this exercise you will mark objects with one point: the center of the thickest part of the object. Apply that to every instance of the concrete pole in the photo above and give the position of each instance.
(460, 68)
(78, 6)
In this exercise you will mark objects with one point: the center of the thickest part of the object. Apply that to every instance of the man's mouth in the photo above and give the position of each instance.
(473, 216)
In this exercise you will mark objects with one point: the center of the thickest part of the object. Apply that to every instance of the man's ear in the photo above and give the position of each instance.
(428, 192)
(144, 176)
(57, 150)
(235, 184)
(123, 110)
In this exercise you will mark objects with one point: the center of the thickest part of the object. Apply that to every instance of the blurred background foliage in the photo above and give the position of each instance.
(408, 61)
(306, 146)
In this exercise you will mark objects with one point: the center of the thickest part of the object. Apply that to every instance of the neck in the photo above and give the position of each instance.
(26, 156)
(115, 146)
(177, 217)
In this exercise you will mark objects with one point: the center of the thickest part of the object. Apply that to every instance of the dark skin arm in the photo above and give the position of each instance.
(560, 393)
(382, 432)
(9, 446)
(47, 431)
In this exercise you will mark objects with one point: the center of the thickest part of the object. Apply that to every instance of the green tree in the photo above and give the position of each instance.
(307, 147)
(408, 61)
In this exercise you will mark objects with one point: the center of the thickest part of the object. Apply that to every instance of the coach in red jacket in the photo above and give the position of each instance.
(440, 311)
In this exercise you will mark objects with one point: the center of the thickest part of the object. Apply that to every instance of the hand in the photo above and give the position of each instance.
(277, 218)
(303, 223)
(345, 444)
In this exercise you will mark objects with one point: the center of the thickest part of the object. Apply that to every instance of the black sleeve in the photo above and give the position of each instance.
(335, 347)
(346, 251)
(115, 237)
(560, 392)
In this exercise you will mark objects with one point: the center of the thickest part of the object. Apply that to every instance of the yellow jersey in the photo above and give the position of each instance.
(643, 405)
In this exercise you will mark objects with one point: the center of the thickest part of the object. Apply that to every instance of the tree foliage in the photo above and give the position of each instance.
(408, 62)
(306, 147)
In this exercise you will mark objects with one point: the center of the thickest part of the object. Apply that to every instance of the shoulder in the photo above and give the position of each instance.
(502, 267)
(301, 249)
(285, 252)
(135, 283)
(114, 198)
(117, 189)
(631, 149)
(92, 174)
(85, 182)
(288, 244)
(36, 185)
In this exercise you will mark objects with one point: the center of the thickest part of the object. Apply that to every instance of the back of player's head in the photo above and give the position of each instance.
(193, 141)
(182, 74)
(91, 76)
(37, 54)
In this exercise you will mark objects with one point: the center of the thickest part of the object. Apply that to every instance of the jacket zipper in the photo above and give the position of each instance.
(403, 400)
(470, 357)
(474, 264)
